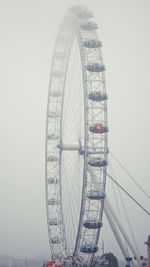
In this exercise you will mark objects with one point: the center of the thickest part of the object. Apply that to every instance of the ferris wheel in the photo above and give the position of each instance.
(76, 139)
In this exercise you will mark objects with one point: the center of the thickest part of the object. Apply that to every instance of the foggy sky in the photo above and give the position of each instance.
(28, 31)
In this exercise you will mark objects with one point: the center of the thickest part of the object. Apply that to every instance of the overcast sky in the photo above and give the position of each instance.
(28, 29)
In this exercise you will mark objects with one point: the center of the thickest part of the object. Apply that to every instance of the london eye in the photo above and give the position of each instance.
(76, 157)
(76, 139)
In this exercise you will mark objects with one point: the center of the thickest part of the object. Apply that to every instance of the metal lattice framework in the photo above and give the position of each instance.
(90, 144)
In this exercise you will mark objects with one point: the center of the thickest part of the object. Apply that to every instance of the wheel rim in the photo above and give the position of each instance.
(91, 149)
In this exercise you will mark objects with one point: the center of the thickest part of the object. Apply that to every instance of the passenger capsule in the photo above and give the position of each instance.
(81, 12)
(67, 260)
(55, 240)
(89, 248)
(93, 224)
(62, 38)
(52, 159)
(95, 67)
(52, 136)
(58, 255)
(95, 194)
(52, 180)
(97, 96)
(60, 55)
(54, 114)
(98, 128)
(92, 43)
(53, 201)
(128, 258)
(56, 93)
(97, 162)
(58, 73)
(89, 26)
(85, 15)
(53, 222)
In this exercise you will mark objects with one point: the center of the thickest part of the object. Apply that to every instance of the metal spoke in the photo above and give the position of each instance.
(76, 140)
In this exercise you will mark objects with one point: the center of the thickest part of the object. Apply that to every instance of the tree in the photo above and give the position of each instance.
(112, 260)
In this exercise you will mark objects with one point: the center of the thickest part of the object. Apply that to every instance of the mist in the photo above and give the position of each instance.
(28, 32)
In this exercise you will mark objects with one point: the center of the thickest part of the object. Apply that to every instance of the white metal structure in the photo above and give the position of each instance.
(116, 225)
(76, 139)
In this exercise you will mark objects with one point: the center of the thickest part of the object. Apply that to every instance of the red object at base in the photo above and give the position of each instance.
(50, 263)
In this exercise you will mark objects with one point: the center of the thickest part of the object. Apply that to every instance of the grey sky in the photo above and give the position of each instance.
(28, 31)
